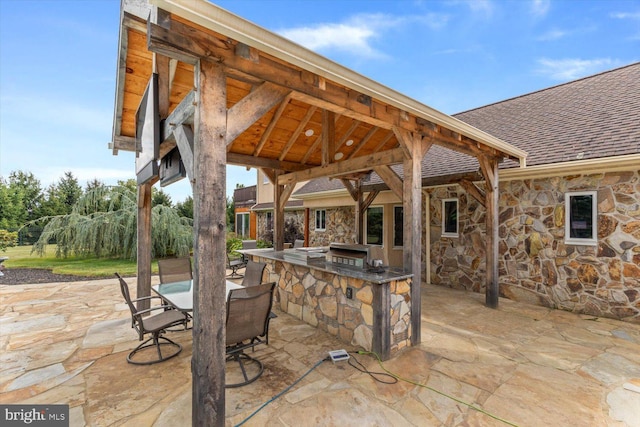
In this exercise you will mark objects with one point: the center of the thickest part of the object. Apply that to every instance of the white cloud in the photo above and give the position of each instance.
(626, 15)
(553, 35)
(539, 8)
(356, 35)
(573, 68)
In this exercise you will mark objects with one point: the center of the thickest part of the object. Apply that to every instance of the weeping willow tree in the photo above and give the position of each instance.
(103, 223)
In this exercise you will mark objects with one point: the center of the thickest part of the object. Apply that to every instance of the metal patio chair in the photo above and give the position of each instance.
(175, 269)
(235, 264)
(155, 325)
(247, 320)
(253, 273)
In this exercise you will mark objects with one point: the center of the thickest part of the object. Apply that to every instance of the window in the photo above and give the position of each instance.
(398, 226)
(269, 220)
(581, 213)
(242, 224)
(450, 218)
(374, 226)
(321, 219)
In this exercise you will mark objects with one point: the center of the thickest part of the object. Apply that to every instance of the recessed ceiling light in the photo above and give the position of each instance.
(308, 132)
(349, 143)
(338, 156)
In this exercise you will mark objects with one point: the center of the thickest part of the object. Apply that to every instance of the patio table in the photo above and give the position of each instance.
(180, 294)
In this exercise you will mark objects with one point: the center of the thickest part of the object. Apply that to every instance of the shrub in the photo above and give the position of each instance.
(8, 239)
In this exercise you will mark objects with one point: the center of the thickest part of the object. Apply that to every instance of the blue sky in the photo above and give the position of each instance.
(58, 63)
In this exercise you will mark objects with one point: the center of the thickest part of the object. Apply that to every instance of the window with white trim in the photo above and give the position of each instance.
(242, 224)
(450, 218)
(321, 219)
(581, 218)
(398, 227)
(375, 222)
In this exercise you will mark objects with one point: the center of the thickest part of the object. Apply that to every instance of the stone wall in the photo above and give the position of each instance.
(535, 264)
(319, 299)
(265, 232)
(340, 227)
(458, 262)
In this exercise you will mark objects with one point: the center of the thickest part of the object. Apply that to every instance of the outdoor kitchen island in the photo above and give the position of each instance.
(364, 307)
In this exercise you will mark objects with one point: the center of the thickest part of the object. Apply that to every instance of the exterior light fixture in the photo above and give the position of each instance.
(338, 156)
(349, 143)
(308, 132)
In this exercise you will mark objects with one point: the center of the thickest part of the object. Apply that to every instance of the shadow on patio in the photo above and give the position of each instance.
(67, 343)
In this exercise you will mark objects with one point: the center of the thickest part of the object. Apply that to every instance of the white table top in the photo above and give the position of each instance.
(180, 294)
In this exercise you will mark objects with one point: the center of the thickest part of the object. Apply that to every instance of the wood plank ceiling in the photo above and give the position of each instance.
(289, 134)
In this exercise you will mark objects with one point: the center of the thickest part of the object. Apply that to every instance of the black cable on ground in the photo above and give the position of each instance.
(360, 367)
(282, 392)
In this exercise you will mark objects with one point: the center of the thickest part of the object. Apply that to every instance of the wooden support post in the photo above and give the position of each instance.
(489, 169)
(144, 245)
(412, 226)
(306, 226)
(278, 215)
(209, 294)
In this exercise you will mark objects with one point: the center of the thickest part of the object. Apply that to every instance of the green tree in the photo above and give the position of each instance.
(61, 196)
(12, 211)
(112, 232)
(32, 196)
(231, 214)
(159, 197)
(185, 208)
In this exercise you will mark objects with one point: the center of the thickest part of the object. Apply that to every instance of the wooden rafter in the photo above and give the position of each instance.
(474, 191)
(297, 132)
(272, 125)
(363, 142)
(250, 108)
(393, 181)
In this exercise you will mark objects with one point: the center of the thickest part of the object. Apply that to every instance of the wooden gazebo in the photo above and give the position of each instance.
(230, 92)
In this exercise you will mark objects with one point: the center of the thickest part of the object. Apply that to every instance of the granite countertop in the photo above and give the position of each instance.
(290, 256)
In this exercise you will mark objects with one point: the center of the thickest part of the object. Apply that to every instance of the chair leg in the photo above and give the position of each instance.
(241, 358)
(154, 341)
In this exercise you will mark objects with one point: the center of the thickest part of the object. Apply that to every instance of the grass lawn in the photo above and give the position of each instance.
(21, 257)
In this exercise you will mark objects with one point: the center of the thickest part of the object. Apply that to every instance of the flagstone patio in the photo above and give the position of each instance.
(528, 365)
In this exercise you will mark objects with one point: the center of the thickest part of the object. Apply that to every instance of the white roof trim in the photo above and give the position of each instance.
(224, 22)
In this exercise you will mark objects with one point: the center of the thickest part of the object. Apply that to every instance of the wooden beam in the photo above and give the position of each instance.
(272, 124)
(328, 137)
(144, 245)
(297, 132)
(209, 294)
(393, 181)
(370, 198)
(286, 193)
(310, 151)
(181, 115)
(184, 141)
(250, 108)
(124, 143)
(343, 139)
(492, 290)
(486, 166)
(270, 174)
(344, 167)
(353, 190)
(278, 215)
(412, 226)
(362, 143)
(474, 191)
(262, 162)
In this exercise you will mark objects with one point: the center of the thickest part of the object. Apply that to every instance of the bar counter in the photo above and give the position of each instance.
(370, 310)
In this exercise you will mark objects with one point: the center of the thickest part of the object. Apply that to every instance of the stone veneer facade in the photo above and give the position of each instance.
(319, 299)
(535, 264)
(263, 233)
(340, 226)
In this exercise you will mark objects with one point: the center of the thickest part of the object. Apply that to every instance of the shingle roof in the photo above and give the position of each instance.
(593, 117)
(597, 116)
